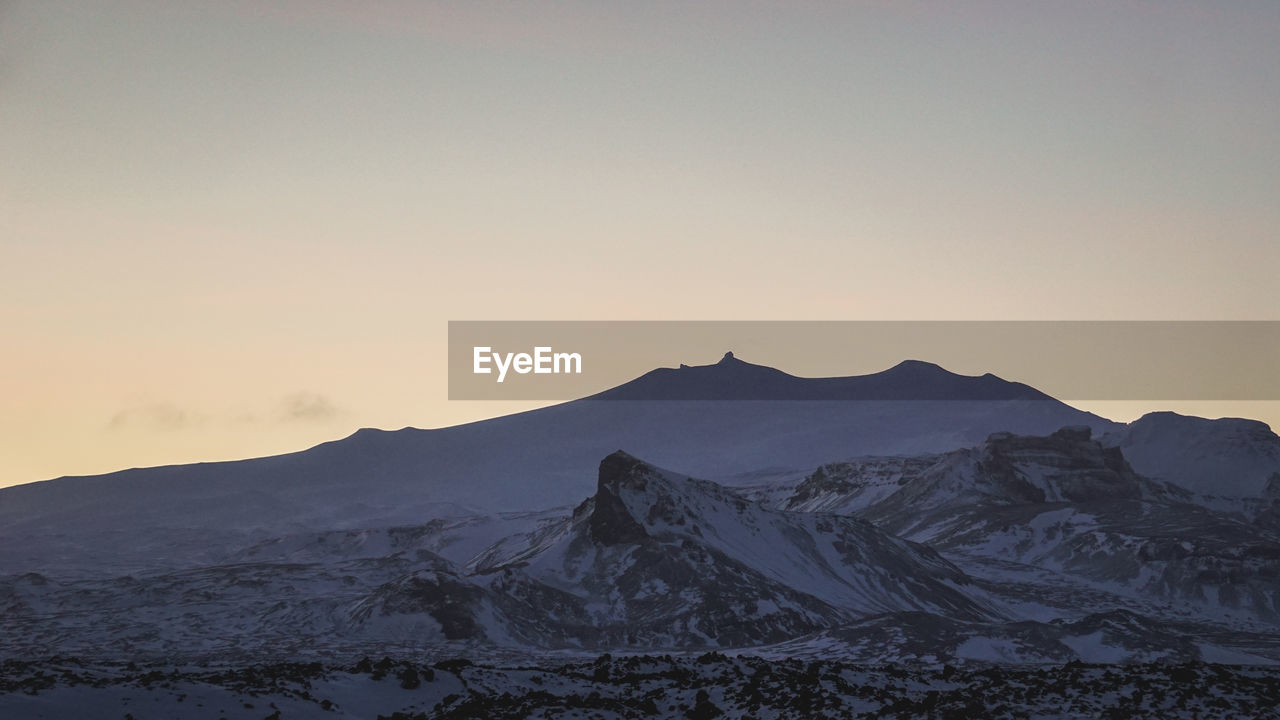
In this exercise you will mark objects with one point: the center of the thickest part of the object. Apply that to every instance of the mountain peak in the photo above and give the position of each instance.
(1167, 419)
(919, 366)
(611, 522)
(699, 534)
(633, 498)
(1228, 457)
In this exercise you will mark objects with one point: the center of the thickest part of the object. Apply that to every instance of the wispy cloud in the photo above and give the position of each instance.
(155, 416)
(308, 407)
(298, 407)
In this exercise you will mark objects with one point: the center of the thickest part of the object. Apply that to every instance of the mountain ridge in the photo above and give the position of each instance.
(534, 460)
(735, 379)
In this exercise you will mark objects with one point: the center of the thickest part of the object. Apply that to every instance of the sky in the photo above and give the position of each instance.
(240, 228)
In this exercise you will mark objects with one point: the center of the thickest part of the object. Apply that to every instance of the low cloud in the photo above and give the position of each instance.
(299, 407)
(155, 416)
(308, 407)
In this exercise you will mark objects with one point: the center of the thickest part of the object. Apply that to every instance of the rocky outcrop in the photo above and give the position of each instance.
(610, 522)
(1067, 465)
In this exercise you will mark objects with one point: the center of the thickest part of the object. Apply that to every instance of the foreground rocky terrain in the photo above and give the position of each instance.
(698, 687)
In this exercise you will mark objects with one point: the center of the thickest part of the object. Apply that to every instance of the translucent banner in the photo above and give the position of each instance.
(1077, 360)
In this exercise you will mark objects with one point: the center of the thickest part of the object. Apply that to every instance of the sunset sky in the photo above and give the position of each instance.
(235, 228)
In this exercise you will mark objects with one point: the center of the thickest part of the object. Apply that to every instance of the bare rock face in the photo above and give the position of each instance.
(1272, 490)
(1067, 465)
(1078, 433)
(611, 523)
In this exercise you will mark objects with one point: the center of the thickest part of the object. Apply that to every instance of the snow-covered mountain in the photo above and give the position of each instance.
(173, 516)
(1063, 503)
(1230, 457)
(1030, 570)
(652, 548)
(908, 515)
(652, 560)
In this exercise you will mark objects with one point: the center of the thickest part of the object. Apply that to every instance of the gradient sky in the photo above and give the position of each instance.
(236, 228)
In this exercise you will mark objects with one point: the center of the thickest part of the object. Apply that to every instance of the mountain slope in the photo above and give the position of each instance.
(1230, 457)
(170, 516)
(1065, 503)
(651, 560)
(654, 547)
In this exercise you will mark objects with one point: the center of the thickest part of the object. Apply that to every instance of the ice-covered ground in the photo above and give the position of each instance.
(606, 687)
